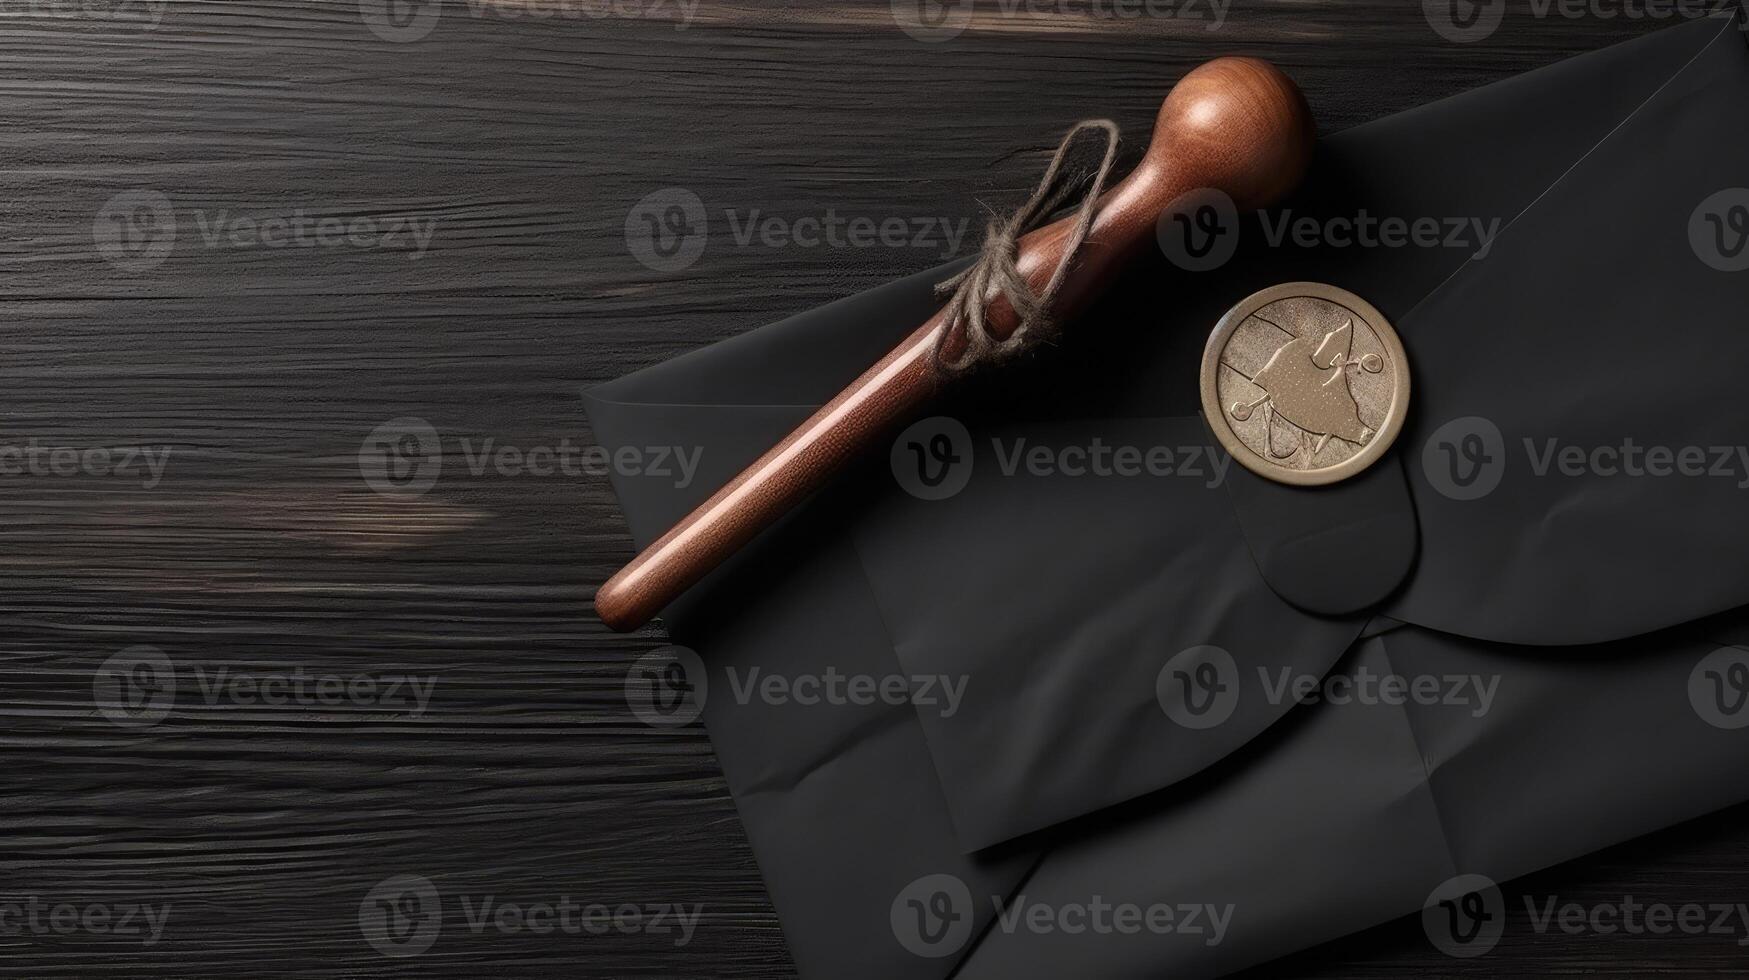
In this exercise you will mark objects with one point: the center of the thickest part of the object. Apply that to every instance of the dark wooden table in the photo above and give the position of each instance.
(261, 354)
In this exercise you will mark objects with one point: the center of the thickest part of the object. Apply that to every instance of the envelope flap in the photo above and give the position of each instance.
(1330, 550)
(1082, 634)
(835, 865)
(1578, 456)
(1080, 611)
(1348, 546)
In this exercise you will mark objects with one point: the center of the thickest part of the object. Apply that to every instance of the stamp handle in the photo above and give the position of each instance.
(1237, 125)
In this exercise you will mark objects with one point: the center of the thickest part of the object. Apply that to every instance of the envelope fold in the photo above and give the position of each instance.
(1090, 623)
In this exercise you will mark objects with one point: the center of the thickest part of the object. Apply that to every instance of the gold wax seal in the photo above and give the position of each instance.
(1305, 383)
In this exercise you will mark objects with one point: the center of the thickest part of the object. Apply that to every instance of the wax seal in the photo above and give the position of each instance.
(1305, 383)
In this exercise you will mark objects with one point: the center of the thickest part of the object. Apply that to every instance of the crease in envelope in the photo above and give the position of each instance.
(1059, 600)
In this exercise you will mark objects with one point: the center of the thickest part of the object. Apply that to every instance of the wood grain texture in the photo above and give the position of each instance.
(528, 140)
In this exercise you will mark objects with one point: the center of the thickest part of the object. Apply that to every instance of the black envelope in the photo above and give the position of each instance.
(1514, 641)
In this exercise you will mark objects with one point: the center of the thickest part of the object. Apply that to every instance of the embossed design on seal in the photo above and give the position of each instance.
(1305, 383)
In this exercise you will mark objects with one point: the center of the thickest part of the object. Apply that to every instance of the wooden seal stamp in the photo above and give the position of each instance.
(1236, 125)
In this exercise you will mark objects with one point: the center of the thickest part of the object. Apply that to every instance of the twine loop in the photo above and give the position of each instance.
(996, 273)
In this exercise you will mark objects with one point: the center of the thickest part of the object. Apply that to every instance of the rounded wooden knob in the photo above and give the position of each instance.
(1238, 125)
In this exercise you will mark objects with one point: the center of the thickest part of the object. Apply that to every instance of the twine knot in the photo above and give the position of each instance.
(996, 273)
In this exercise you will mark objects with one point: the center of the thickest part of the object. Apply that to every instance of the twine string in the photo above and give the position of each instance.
(996, 272)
